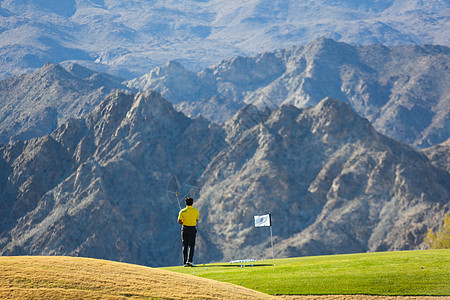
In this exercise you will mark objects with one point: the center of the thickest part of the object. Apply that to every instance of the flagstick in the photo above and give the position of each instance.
(263, 221)
(271, 240)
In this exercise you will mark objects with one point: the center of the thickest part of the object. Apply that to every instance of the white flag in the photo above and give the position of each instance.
(262, 221)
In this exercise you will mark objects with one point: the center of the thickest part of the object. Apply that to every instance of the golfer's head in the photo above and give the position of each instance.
(189, 201)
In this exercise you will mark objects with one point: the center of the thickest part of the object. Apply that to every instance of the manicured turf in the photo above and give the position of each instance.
(424, 272)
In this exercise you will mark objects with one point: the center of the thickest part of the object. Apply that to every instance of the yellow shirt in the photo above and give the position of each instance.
(189, 215)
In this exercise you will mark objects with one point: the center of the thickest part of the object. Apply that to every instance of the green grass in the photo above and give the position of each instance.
(413, 273)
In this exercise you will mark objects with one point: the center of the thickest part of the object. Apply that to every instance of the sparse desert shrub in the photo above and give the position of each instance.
(440, 239)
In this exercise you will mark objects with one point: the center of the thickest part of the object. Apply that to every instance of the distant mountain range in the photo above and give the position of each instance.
(104, 185)
(128, 38)
(402, 90)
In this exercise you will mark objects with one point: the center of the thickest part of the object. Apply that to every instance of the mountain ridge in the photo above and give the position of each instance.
(402, 89)
(34, 104)
(128, 39)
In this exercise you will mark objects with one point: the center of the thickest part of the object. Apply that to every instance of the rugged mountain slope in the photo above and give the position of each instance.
(402, 90)
(135, 36)
(332, 183)
(103, 186)
(33, 105)
(96, 186)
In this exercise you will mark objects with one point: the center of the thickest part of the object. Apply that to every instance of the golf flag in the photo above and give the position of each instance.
(262, 221)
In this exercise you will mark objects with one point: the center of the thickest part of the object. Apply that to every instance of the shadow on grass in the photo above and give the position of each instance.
(235, 265)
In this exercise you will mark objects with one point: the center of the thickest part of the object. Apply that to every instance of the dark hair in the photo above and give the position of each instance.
(189, 201)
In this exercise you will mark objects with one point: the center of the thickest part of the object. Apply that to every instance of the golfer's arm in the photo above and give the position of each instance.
(180, 221)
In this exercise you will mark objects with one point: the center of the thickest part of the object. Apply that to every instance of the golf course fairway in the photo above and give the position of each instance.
(399, 273)
(384, 275)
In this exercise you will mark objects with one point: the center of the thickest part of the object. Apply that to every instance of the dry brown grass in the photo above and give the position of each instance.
(31, 277)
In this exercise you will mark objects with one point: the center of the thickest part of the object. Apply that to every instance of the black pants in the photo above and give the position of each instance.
(188, 234)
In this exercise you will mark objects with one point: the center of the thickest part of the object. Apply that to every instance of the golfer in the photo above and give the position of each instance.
(188, 217)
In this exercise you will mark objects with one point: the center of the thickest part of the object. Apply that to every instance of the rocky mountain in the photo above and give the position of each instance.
(33, 105)
(402, 90)
(104, 185)
(129, 38)
(331, 182)
(96, 186)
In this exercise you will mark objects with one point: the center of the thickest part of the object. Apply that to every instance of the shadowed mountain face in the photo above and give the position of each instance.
(97, 186)
(104, 186)
(402, 90)
(332, 183)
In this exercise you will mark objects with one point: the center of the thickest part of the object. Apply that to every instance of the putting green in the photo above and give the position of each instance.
(424, 272)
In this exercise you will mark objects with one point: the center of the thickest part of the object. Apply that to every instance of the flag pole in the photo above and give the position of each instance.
(265, 221)
(271, 240)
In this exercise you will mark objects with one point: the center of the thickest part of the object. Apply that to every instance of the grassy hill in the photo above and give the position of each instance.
(383, 273)
(31, 277)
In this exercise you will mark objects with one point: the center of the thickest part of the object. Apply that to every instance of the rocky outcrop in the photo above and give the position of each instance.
(439, 155)
(33, 105)
(105, 185)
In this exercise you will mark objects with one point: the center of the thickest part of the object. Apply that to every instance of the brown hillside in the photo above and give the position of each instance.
(29, 277)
